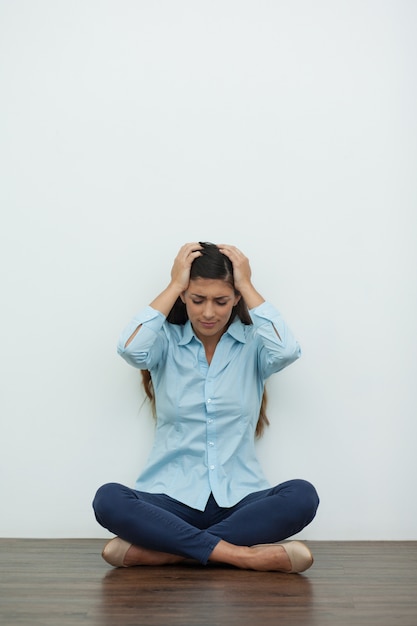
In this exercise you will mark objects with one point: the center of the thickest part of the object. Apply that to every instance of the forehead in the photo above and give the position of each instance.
(210, 287)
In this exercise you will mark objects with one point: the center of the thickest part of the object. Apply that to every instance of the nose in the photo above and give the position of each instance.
(208, 310)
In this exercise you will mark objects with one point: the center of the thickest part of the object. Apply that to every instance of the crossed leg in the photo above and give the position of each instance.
(256, 518)
(261, 558)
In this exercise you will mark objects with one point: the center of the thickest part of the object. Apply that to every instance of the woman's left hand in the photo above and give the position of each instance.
(241, 268)
(242, 274)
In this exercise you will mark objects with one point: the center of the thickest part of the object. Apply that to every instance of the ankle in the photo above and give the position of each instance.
(136, 555)
(231, 554)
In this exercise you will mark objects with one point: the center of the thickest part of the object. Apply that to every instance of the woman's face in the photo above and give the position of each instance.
(209, 303)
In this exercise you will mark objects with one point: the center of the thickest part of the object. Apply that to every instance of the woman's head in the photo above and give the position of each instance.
(212, 266)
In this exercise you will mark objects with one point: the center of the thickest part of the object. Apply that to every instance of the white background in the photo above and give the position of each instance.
(287, 128)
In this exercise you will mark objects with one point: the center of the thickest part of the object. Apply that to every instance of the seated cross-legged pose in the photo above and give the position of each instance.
(206, 345)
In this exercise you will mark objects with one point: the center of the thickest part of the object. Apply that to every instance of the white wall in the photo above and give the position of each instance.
(287, 128)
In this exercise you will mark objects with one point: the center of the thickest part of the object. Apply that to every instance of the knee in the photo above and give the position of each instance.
(307, 496)
(104, 500)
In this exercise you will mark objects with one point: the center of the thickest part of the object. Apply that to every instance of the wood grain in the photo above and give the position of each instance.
(65, 582)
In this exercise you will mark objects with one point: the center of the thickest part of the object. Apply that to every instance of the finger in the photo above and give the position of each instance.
(189, 249)
(225, 248)
(195, 247)
(230, 251)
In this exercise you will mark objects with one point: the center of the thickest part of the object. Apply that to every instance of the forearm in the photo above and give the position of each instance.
(166, 299)
(253, 299)
(162, 303)
(250, 295)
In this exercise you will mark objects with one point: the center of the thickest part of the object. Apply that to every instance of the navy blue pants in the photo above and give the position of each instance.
(161, 523)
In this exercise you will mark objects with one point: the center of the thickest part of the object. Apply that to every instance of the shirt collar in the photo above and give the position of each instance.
(235, 330)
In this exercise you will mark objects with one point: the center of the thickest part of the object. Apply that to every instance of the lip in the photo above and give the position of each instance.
(208, 324)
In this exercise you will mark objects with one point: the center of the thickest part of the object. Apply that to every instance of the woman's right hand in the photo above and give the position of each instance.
(180, 278)
(180, 272)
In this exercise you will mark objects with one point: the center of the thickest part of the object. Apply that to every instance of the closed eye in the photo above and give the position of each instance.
(217, 302)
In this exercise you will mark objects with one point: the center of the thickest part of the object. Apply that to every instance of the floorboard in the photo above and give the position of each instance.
(66, 583)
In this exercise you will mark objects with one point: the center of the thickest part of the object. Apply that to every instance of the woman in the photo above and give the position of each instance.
(206, 345)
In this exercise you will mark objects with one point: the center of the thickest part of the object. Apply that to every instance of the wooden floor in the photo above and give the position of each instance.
(66, 583)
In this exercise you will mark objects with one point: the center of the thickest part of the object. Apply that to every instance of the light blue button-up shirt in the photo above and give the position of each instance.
(207, 414)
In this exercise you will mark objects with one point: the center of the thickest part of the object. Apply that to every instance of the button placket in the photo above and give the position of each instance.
(210, 429)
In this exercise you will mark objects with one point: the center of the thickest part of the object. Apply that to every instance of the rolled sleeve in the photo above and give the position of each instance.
(137, 352)
(280, 348)
(265, 312)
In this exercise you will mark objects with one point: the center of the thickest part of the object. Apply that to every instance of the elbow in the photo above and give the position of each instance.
(291, 354)
(136, 358)
(295, 352)
(121, 348)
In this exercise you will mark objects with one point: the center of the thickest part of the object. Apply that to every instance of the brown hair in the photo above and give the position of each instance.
(211, 264)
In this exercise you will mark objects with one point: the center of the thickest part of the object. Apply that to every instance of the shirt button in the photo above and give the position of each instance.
(208, 400)
(212, 467)
(210, 443)
(210, 421)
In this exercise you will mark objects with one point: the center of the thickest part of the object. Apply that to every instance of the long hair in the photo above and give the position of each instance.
(211, 264)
